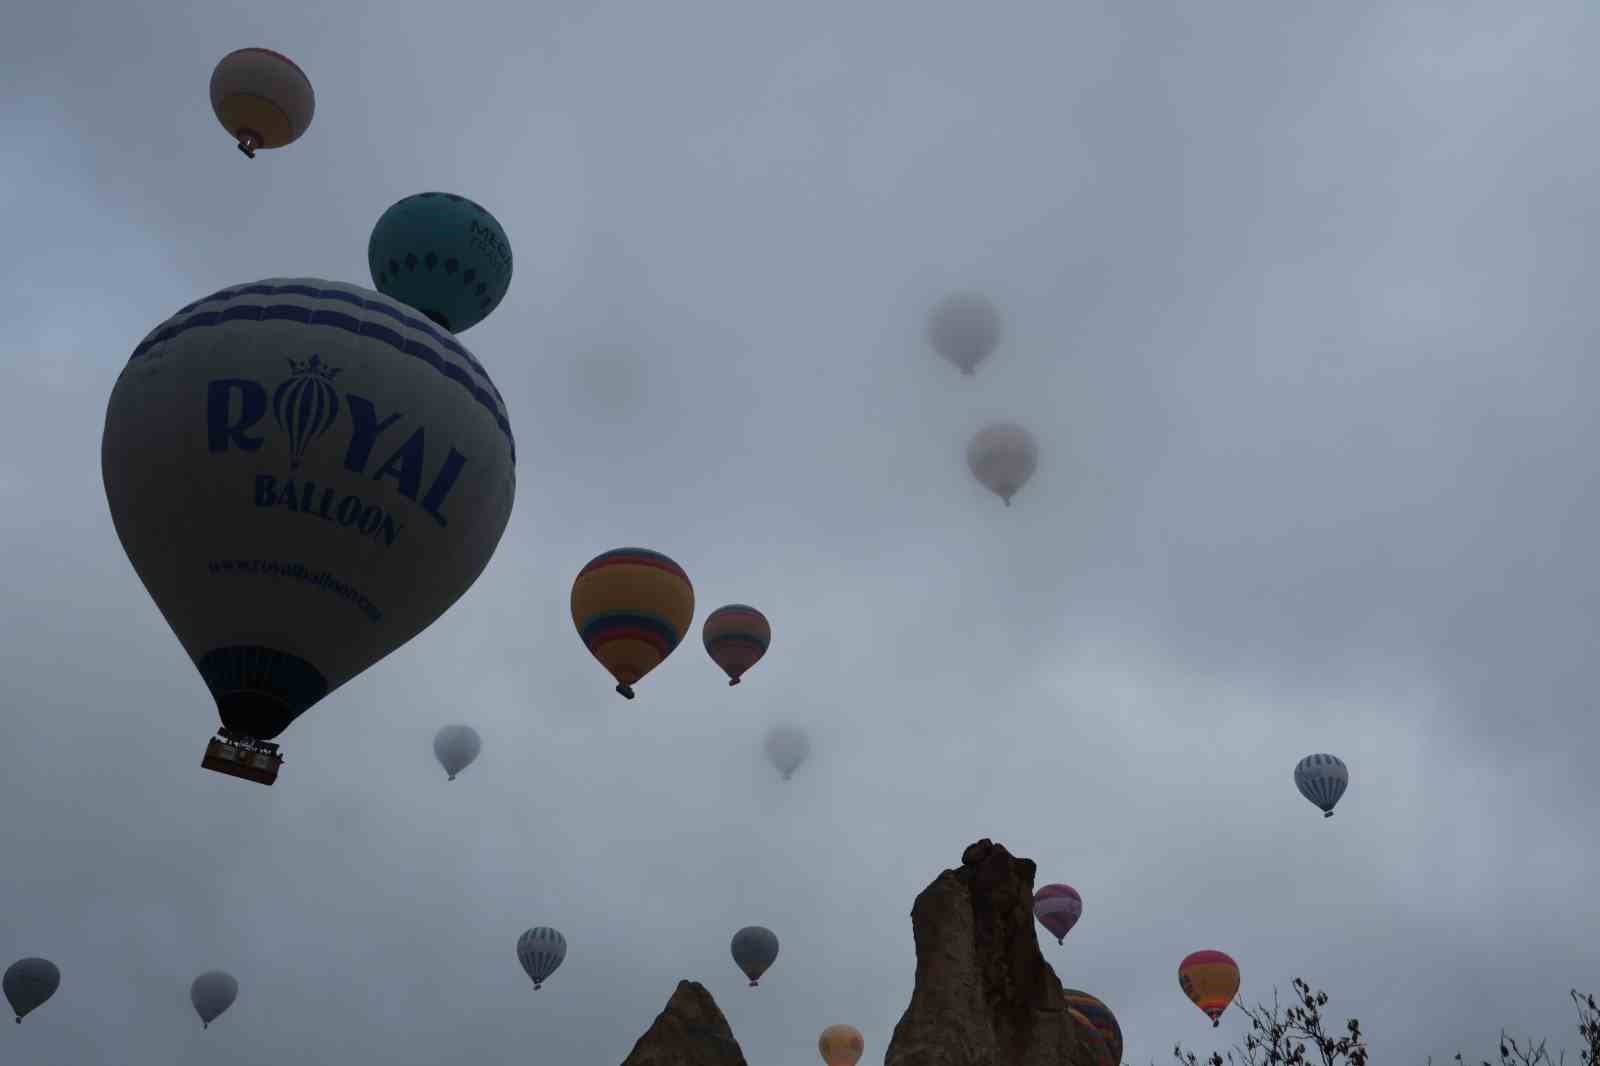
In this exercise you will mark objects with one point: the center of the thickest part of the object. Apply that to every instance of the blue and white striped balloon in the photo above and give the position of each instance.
(1322, 779)
(541, 950)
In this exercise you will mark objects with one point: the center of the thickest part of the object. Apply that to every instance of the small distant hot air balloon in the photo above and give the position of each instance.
(456, 746)
(787, 747)
(28, 983)
(1322, 779)
(541, 951)
(1003, 456)
(841, 1045)
(442, 254)
(212, 993)
(1097, 1040)
(736, 637)
(1058, 908)
(261, 98)
(632, 606)
(754, 948)
(964, 328)
(1211, 980)
(305, 475)
(1098, 1015)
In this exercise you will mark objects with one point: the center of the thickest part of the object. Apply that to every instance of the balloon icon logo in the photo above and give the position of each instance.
(305, 405)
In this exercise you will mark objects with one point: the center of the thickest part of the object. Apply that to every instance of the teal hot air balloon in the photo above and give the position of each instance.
(443, 255)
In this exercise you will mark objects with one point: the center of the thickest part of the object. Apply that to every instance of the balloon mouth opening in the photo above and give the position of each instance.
(438, 318)
(258, 690)
(625, 689)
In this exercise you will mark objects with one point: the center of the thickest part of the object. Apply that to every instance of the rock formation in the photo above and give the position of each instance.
(984, 995)
(692, 1031)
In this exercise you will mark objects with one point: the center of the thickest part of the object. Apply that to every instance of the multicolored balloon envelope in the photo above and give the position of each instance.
(964, 328)
(261, 98)
(1097, 1042)
(1058, 908)
(1098, 1015)
(755, 948)
(632, 606)
(541, 950)
(1003, 457)
(442, 254)
(1211, 980)
(305, 474)
(841, 1045)
(736, 637)
(28, 983)
(1322, 779)
(212, 993)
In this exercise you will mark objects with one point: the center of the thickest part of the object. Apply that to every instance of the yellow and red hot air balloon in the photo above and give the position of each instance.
(841, 1045)
(632, 606)
(736, 637)
(261, 98)
(1211, 979)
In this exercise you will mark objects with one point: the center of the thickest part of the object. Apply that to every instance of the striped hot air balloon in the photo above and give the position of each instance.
(1322, 779)
(1058, 908)
(1211, 979)
(1098, 1015)
(736, 637)
(631, 606)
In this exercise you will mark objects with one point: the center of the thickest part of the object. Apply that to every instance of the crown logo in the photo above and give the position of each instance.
(313, 367)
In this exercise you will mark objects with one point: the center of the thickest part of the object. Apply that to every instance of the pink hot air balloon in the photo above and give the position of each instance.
(1058, 908)
(1003, 456)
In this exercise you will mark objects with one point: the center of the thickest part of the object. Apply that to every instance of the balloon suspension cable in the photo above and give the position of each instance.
(627, 691)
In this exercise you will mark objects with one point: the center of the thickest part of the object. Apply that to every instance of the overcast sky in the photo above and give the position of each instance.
(1294, 300)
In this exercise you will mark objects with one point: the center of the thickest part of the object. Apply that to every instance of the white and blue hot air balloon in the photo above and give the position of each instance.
(541, 951)
(1322, 779)
(305, 475)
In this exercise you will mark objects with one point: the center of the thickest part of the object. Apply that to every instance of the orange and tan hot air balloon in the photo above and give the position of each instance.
(261, 98)
(841, 1045)
(632, 606)
(1211, 979)
(736, 637)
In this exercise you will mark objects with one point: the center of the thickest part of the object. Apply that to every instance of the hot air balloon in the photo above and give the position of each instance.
(1058, 908)
(540, 950)
(631, 606)
(841, 1045)
(456, 746)
(736, 637)
(442, 254)
(1097, 1041)
(305, 474)
(1098, 1015)
(1211, 979)
(787, 747)
(1003, 456)
(1322, 779)
(754, 949)
(28, 983)
(261, 98)
(964, 328)
(212, 993)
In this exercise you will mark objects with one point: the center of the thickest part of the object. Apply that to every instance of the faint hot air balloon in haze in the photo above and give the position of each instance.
(442, 254)
(541, 951)
(1322, 779)
(212, 993)
(1058, 908)
(964, 328)
(456, 746)
(1211, 980)
(787, 747)
(1003, 456)
(28, 983)
(754, 949)
(736, 637)
(1097, 1040)
(631, 607)
(261, 98)
(291, 550)
(841, 1045)
(1098, 1015)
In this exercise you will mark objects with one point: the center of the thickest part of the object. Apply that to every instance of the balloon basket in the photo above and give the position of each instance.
(243, 757)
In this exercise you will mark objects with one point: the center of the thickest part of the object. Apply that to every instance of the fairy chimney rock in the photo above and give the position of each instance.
(984, 995)
(692, 1031)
